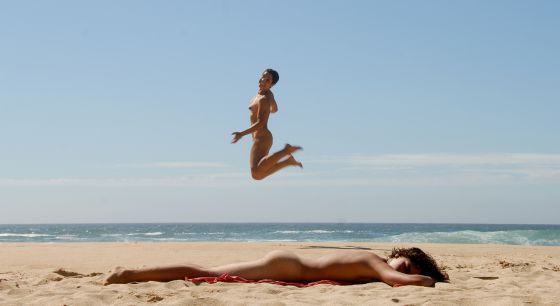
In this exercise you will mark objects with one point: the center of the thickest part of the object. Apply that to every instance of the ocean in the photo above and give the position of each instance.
(516, 234)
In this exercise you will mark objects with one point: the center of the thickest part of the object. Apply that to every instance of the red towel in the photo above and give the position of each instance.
(237, 279)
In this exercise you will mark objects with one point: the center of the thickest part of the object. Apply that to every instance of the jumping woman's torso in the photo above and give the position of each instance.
(254, 113)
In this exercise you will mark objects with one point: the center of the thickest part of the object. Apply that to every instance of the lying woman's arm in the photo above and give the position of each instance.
(396, 278)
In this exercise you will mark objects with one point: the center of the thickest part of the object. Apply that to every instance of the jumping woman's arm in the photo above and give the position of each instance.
(273, 105)
(262, 118)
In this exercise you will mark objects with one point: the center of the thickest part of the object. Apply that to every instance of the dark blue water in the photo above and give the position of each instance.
(362, 232)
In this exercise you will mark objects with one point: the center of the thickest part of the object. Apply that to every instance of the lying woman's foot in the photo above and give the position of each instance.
(293, 162)
(291, 149)
(118, 276)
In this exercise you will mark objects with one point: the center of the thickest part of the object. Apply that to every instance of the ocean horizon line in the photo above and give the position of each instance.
(521, 234)
(276, 222)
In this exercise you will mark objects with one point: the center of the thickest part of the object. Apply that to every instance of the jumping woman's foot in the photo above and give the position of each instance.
(292, 161)
(291, 149)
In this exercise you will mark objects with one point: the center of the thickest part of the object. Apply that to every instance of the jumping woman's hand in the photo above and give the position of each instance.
(236, 137)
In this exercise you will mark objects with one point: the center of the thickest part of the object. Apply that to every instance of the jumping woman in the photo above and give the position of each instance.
(263, 164)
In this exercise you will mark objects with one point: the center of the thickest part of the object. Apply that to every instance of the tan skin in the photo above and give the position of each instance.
(353, 267)
(263, 164)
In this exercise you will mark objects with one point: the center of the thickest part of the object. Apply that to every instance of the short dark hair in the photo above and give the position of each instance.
(274, 74)
(423, 261)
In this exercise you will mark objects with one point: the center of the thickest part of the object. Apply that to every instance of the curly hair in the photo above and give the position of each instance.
(274, 74)
(422, 260)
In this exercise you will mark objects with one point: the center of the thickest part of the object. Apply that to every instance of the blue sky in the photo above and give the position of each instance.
(424, 111)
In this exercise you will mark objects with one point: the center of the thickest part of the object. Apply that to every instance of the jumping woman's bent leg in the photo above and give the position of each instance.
(269, 161)
(259, 150)
(262, 164)
(290, 161)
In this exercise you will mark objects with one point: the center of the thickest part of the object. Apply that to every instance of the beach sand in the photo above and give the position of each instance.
(71, 274)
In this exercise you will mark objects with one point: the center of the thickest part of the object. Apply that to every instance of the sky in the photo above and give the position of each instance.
(408, 111)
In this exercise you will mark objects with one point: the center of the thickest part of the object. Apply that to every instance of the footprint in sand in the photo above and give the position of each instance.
(67, 273)
(4, 285)
(60, 274)
(149, 297)
(505, 264)
(553, 268)
(152, 298)
(516, 267)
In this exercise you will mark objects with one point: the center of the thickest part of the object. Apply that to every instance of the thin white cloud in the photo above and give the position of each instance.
(448, 179)
(203, 180)
(177, 165)
(348, 171)
(457, 160)
(441, 169)
(243, 180)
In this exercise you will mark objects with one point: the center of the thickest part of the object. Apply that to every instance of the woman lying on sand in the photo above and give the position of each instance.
(405, 266)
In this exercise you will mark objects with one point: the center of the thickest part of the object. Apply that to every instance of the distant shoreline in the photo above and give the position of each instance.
(506, 234)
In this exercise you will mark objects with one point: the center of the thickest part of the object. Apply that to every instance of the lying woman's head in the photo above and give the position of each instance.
(420, 263)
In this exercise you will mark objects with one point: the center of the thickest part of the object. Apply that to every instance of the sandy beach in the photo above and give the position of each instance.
(71, 274)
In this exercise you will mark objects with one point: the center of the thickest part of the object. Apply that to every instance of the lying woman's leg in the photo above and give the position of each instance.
(277, 265)
(161, 274)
